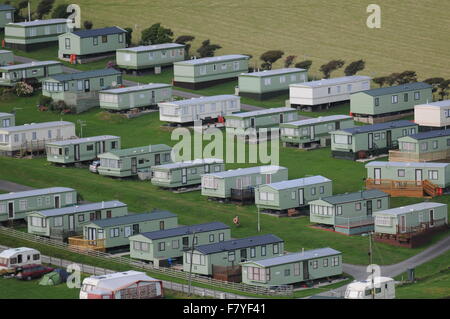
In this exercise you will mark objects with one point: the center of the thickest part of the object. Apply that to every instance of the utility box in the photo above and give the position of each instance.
(411, 274)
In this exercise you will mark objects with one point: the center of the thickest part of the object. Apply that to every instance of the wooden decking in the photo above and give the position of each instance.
(80, 243)
(404, 188)
(399, 156)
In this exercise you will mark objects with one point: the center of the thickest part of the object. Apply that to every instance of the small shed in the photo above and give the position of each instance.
(293, 268)
(81, 149)
(270, 83)
(6, 57)
(130, 161)
(28, 72)
(183, 174)
(7, 120)
(432, 115)
(6, 15)
(296, 193)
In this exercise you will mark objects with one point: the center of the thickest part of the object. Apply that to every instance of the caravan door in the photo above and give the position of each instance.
(11, 210)
(183, 176)
(377, 176)
(301, 196)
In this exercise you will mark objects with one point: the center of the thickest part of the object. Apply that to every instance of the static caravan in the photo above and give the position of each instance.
(6, 15)
(238, 184)
(249, 125)
(199, 109)
(389, 103)
(169, 244)
(122, 285)
(81, 90)
(144, 58)
(115, 232)
(15, 205)
(369, 140)
(68, 221)
(432, 116)
(349, 213)
(222, 260)
(408, 179)
(315, 95)
(18, 257)
(183, 174)
(294, 268)
(35, 34)
(7, 120)
(296, 193)
(28, 72)
(140, 96)
(384, 289)
(29, 138)
(411, 225)
(422, 147)
(313, 132)
(6, 57)
(205, 72)
(130, 161)
(88, 45)
(81, 149)
(269, 83)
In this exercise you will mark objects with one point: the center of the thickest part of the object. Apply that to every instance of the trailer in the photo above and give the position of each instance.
(18, 257)
(6, 57)
(32, 72)
(382, 288)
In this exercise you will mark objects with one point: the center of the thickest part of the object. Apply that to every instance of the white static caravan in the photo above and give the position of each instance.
(32, 137)
(17, 257)
(327, 91)
(203, 108)
(121, 285)
(384, 289)
(433, 115)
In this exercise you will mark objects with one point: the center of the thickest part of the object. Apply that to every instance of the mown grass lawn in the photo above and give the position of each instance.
(13, 288)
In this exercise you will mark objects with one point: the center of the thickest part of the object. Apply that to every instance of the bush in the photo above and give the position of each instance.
(23, 89)
(59, 106)
(45, 101)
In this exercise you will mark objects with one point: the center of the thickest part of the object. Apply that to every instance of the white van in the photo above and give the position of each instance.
(17, 257)
(384, 289)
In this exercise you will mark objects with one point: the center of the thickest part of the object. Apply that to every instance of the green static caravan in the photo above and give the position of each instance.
(130, 161)
(35, 34)
(68, 221)
(432, 116)
(117, 231)
(15, 205)
(249, 125)
(293, 268)
(90, 45)
(28, 72)
(6, 57)
(436, 173)
(205, 108)
(140, 96)
(369, 140)
(144, 58)
(349, 213)
(423, 147)
(81, 90)
(238, 184)
(7, 120)
(184, 174)
(389, 103)
(29, 138)
(81, 149)
(315, 132)
(269, 83)
(222, 260)
(168, 245)
(6, 15)
(411, 225)
(205, 72)
(316, 95)
(296, 193)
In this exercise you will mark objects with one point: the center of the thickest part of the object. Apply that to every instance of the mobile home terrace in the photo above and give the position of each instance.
(33, 71)
(435, 115)
(15, 205)
(368, 140)
(81, 149)
(206, 108)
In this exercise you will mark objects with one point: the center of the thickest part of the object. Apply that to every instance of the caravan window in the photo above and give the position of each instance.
(58, 221)
(433, 175)
(342, 139)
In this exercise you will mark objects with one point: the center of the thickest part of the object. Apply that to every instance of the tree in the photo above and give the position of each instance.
(355, 67)
(289, 61)
(44, 7)
(156, 34)
(444, 88)
(392, 78)
(88, 24)
(304, 64)
(406, 77)
(381, 80)
(184, 39)
(60, 12)
(207, 49)
(434, 82)
(331, 66)
(128, 36)
(22, 4)
(269, 58)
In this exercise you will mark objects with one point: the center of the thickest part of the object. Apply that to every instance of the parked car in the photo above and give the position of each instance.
(93, 167)
(32, 271)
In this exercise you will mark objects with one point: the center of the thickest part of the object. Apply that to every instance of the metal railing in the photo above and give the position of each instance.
(354, 221)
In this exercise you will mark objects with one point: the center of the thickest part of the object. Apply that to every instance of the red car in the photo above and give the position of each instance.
(32, 271)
